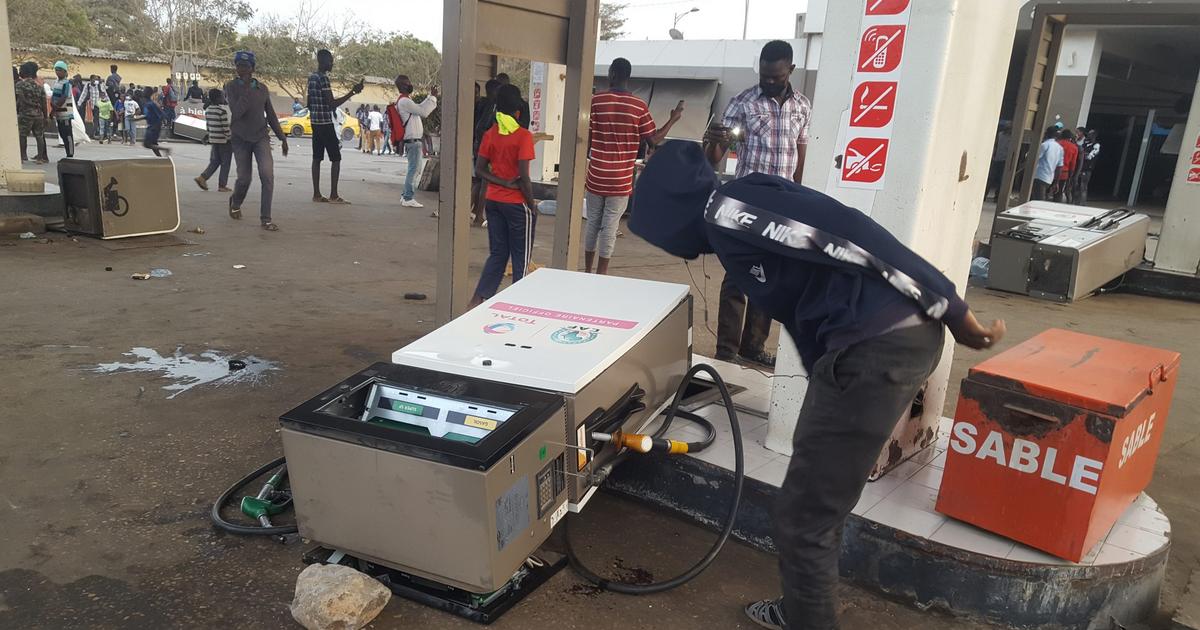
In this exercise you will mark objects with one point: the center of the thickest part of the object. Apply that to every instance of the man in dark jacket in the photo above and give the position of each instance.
(866, 314)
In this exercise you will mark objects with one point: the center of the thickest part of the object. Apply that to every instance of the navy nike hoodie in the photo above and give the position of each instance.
(831, 275)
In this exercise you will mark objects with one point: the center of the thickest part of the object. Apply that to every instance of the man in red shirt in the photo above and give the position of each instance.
(619, 123)
(1066, 139)
(503, 162)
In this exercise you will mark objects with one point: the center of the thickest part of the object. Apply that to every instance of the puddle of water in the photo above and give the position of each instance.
(188, 371)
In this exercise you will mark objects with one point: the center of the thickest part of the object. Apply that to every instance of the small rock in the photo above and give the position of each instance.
(414, 296)
(197, 230)
(239, 266)
(336, 597)
(140, 276)
(28, 235)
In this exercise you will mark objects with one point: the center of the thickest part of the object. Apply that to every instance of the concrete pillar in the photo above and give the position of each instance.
(10, 157)
(1177, 249)
(951, 77)
(547, 84)
(1075, 76)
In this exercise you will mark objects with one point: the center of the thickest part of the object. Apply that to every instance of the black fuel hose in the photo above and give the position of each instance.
(248, 530)
(739, 475)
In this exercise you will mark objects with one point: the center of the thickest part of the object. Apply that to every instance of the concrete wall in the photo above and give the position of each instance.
(1075, 76)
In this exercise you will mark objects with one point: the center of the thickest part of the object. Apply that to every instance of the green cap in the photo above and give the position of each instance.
(60, 65)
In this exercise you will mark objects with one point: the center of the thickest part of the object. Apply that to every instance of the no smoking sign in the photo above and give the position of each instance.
(874, 104)
(886, 7)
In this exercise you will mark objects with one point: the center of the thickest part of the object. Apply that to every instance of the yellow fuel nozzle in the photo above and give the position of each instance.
(632, 441)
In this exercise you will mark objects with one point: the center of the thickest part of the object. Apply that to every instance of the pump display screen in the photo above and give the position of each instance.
(437, 416)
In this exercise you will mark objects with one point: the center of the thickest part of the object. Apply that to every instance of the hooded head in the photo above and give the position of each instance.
(670, 198)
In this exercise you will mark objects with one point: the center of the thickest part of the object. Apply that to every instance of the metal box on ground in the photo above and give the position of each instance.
(454, 462)
(1066, 257)
(462, 499)
(119, 198)
(1053, 439)
(1047, 212)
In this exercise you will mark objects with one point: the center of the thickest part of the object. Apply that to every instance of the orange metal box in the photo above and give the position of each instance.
(1054, 438)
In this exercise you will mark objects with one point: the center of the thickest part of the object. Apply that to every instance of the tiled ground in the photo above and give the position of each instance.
(904, 498)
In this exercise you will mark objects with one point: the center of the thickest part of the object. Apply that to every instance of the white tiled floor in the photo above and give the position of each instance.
(904, 498)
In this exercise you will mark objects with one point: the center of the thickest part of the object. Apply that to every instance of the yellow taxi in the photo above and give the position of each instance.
(300, 125)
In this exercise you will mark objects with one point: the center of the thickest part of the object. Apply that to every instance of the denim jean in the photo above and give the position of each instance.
(412, 152)
(218, 158)
(130, 130)
(246, 154)
(105, 128)
(603, 220)
(855, 397)
(511, 228)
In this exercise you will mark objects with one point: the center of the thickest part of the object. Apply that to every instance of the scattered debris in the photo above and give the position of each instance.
(356, 262)
(186, 371)
(139, 276)
(333, 596)
(236, 364)
(415, 296)
(42, 241)
(186, 254)
(7, 244)
(239, 266)
(108, 268)
(159, 272)
(28, 235)
(199, 229)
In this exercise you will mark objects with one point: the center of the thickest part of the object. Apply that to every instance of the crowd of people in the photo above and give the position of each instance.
(87, 110)
(1065, 161)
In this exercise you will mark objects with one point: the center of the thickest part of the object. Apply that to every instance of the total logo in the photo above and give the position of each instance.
(500, 328)
(574, 335)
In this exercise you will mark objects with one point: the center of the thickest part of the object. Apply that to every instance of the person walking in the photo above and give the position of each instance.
(89, 101)
(1089, 150)
(31, 112)
(113, 83)
(773, 120)
(325, 138)
(375, 122)
(154, 117)
(1066, 179)
(105, 117)
(252, 117)
(360, 115)
(62, 101)
(620, 122)
(131, 112)
(869, 330)
(216, 120)
(1049, 165)
(412, 114)
(169, 99)
(503, 162)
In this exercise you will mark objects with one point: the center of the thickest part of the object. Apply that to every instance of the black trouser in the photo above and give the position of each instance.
(67, 134)
(1040, 190)
(855, 397)
(741, 328)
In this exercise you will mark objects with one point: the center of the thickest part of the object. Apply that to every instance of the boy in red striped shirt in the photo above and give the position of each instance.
(619, 123)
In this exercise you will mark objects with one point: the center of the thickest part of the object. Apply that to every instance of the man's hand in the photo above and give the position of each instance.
(677, 113)
(284, 147)
(434, 92)
(719, 135)
(972, 334)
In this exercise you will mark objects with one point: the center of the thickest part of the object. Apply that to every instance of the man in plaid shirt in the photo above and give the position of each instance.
(770, 123)
(325, 141)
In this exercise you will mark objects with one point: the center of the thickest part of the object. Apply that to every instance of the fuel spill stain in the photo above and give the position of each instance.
(187, 371)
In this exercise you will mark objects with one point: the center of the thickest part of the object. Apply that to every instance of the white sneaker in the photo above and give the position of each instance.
(412, 203)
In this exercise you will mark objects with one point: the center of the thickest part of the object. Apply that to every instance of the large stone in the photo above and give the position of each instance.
(336, 597)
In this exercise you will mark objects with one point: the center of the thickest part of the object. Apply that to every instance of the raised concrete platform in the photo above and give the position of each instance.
(48, 205)
(895, 542)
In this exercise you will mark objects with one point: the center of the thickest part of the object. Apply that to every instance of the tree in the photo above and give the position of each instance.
(191, 30)
(120, 24)
(387, 55)
(34, 23)
(612, 19)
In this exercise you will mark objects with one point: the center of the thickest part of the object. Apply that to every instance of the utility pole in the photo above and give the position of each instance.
(745, 19)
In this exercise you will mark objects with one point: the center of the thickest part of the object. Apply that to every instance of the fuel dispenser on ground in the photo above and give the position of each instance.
(451, 465)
